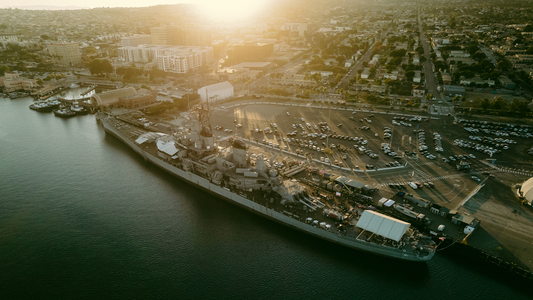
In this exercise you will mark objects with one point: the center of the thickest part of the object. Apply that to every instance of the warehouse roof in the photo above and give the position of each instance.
(451, 88)
(216, 87)
(112, 96)
(383, 225)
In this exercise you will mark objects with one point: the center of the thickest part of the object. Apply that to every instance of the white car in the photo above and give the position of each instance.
(288, 114)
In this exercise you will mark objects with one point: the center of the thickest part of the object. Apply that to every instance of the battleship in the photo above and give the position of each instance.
(252, 181)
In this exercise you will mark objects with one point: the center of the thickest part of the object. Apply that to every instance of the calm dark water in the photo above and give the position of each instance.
(83, 217)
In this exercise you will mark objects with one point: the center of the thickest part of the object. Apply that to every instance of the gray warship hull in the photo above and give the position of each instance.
(261, 210)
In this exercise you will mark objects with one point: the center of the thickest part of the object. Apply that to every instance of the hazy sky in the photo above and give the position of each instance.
(96, 3)
(218, 10)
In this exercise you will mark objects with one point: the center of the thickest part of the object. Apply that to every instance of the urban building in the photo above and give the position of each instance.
(136, 40)
(183, 59)
(256, 66)
(300, 29)
(65, 55)
(252, 51)
(418, 77)
(167, 35)
(507, 83)
(141, 53)
(123, 98)
(174, 59)
(419, 91)
(185, 36)
(11, 81)
(446, 78)
(453, 90)
(7, 38)
(216, 92)
(194, 36)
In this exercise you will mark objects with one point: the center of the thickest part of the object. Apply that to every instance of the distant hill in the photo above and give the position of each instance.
(47, 7)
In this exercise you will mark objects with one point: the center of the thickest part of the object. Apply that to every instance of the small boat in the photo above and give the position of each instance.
(78, 109)
(64, 113)
(54, 103)
(41, 106)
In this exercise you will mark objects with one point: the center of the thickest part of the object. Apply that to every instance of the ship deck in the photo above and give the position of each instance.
(271, 200)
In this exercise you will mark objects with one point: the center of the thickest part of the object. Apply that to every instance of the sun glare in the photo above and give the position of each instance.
(230, 10)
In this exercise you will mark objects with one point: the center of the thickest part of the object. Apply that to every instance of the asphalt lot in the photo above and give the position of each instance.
(403, 137)
(503, 232)
(417, 168)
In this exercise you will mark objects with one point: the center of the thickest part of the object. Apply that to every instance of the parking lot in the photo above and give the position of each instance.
(404, 137)
(481, 191)
(353, 140)
(368, 130)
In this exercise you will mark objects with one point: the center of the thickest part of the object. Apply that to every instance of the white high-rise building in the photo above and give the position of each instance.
(175, 59)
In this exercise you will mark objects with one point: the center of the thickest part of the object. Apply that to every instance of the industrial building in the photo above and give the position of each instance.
(254, 66)
(253, 51)
(453, 90)
(123, 98)
(11, 81)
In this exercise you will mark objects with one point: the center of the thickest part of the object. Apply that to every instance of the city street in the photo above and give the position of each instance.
(431, 81)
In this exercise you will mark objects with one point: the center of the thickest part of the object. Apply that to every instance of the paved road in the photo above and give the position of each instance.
(431, 83)
(489, 55)
(345, 83)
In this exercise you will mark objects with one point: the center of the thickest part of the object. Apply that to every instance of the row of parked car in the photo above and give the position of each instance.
(497, 142)
(497, 128)
(413, 185)
(438, 143)
(481, 148)
(458, 157)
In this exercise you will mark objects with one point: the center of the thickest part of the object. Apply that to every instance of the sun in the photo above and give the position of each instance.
(230, 10)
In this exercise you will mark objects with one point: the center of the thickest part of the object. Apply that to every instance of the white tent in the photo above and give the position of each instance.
(383, 225)
(148, 136)
(167, 147)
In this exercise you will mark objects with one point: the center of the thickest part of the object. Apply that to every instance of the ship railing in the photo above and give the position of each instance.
(311, 207)
(317, 201)
(310, 202)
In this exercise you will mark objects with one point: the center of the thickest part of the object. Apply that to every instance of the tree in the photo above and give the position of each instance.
(398, 53)
(99, 66)
(504, 65)
(420, 50)
(485, 104)
(317, 77)
(409, 75)
(499, 104)
(3, 70)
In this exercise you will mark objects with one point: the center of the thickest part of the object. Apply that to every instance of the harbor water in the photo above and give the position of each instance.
(84, 217)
